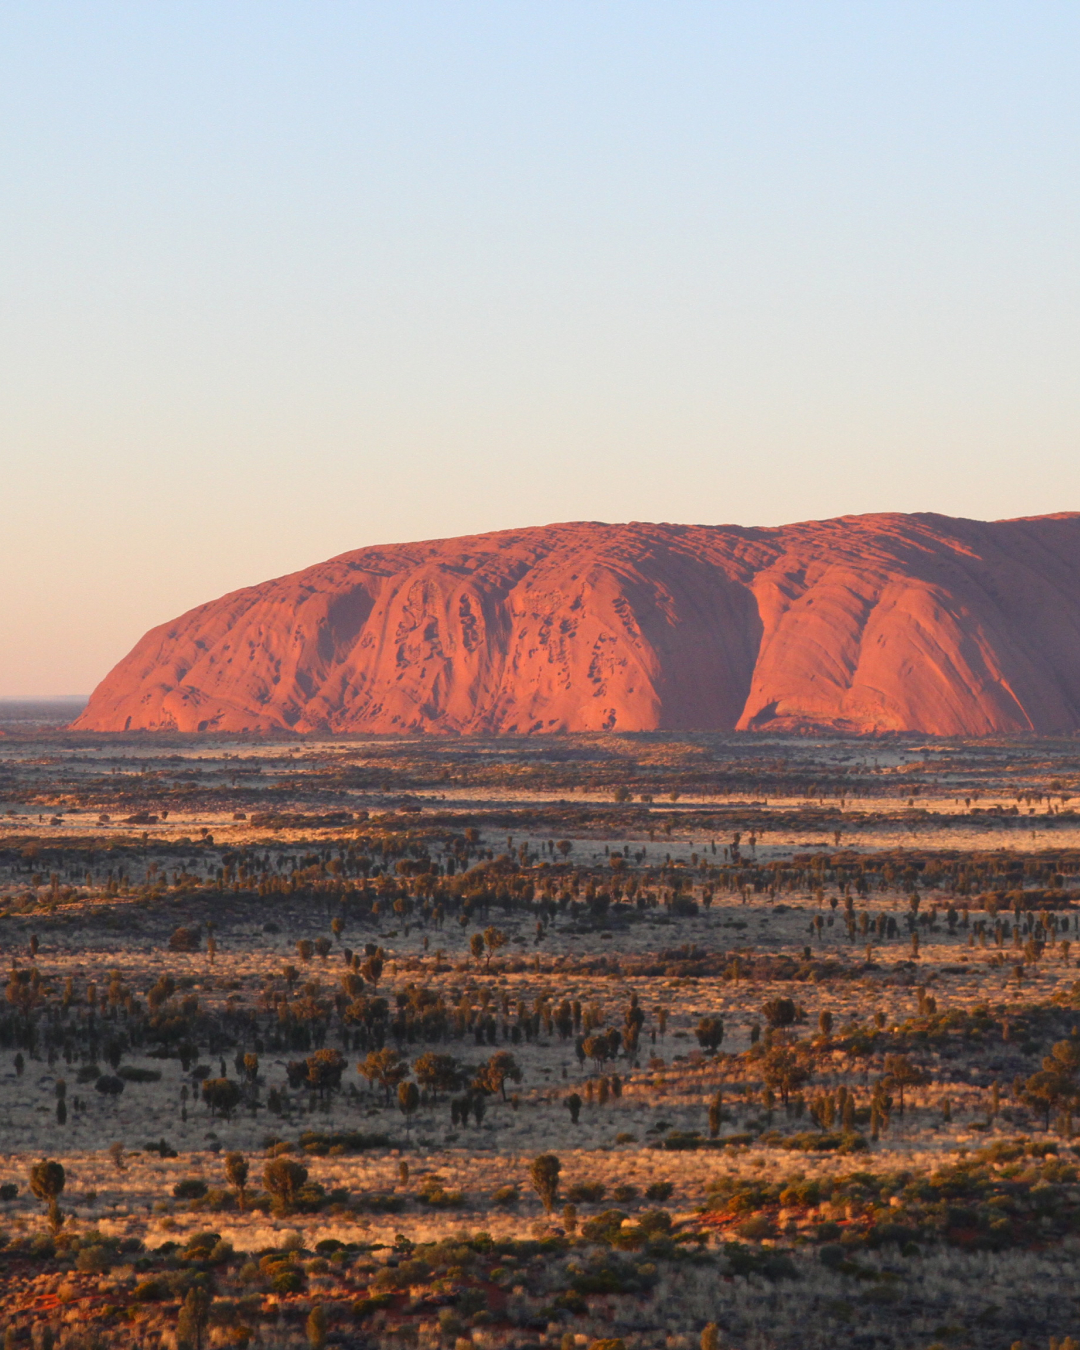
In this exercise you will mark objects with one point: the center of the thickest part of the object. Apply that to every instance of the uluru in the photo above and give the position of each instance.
(868, 623)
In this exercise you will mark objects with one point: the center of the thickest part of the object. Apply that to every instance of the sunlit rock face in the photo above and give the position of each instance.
(863, 623)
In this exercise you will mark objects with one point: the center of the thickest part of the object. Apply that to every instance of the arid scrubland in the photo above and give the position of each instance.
(647, 1040)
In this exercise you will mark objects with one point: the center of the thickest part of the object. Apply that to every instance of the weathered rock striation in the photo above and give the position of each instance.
(863, 623)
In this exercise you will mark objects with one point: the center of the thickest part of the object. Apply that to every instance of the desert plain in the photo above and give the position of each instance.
(644, 1040)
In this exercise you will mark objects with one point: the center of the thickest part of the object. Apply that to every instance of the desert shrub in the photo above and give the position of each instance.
(185, 940)
(151, 1291)
(603, 1227)
(130, 1074)
(682, 1140)
(8, 1191)
(217, 1200)
(743, 1260)
(882, 1233)
(162, 1149)
(506, 1196)
(402, 1275)
(613, 1275)
(381, 1204)
(812, 1142)
(589, 1192)
(200, 1245)
(450, 1324)
(190, 1188)
(433, 1193)
(756, 1228)
(659, 1190)
(348, 1141)
(625, 1195)
(93, 1260)
(109, 1086)
(287, 1280)
(311, 1198)
(364, 1307)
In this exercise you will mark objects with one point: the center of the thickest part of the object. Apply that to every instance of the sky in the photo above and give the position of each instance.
(279, 280)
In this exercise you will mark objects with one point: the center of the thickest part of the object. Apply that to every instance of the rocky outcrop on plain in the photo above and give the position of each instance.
(862, 623)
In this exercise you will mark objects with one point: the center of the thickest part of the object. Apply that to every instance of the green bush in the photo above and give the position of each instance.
(381, 1204)
(589, 1192)
(287, 1280)
(93, 1260)
(364, 1307)
(604, 1226)
(682, 1141)
(439, 1198)
(319, 1144)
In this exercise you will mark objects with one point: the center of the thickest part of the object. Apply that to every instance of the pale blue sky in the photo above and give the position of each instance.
(279, 280)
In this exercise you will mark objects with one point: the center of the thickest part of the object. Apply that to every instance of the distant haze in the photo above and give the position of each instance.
(26, 713)
(282, 280)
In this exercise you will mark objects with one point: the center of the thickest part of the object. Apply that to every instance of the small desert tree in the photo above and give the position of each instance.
(500, 1067)
(324, 1069)
(194, 1316)
(408, 1095)
(784, 1070)
(710, 1033)
(316, 1327)
(544, 1174)
(437, 1072)
(283, 1178)
(236, 1170)
(221, 1095)
(715, 1115)
(494, 938)
(47, 1182)
(372, 970)
(385, 1067)
(901, 1073)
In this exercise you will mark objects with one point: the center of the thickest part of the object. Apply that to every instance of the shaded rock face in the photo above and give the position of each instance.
(864, 623)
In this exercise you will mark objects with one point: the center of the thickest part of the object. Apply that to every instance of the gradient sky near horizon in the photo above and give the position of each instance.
(280, 279)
